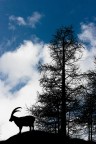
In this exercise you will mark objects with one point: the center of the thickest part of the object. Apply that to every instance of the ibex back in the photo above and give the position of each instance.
(22, 121)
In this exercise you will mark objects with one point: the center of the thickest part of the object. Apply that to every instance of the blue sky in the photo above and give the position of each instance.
(26, 28)
(55, 13)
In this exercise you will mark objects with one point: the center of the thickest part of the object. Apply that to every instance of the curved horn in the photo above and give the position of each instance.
(15, 110)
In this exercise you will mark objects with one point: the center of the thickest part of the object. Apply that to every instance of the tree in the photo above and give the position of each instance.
(59, 79)
(87, 115)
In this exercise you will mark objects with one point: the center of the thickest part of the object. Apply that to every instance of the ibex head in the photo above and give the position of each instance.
(12, 116)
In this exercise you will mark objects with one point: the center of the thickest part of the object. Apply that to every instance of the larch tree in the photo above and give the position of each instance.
(60, 81)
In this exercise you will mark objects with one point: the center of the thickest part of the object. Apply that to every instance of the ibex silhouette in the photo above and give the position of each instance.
(22, 121)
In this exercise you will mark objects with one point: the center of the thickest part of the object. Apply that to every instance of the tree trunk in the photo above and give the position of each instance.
(68, 123)
(63, 113)
(89, 132)
(91, 127)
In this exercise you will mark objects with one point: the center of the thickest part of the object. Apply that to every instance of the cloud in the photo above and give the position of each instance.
(88, 39)
(18, 20)
(19, 81)
(11, 26)
(7, 44)
(20, 63)
(88, 34)
(30, 21)
(34, 19)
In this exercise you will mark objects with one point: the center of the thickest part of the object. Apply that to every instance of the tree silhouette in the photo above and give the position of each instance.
(59, 80)
(88, 108)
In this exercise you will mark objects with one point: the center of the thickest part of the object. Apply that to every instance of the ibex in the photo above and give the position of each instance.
(22, 121)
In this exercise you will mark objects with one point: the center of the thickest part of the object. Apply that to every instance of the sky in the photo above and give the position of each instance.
(26, 28)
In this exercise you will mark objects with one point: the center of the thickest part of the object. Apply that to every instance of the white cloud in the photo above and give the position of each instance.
(88, 33)
(34, 19)
(46, 55)
(6, 43)
(30, 21)
(16, 67)
(19, 20)
(11, 26)
(88, 39)
(87, 61)
(19, 63)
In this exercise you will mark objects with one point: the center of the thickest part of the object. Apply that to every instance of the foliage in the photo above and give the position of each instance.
(59, 77)
(88, 107)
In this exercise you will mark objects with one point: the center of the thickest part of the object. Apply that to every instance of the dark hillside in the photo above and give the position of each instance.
(30, 137)
(42, 137)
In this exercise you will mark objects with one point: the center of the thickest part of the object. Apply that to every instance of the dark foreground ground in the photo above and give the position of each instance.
(41, 137)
